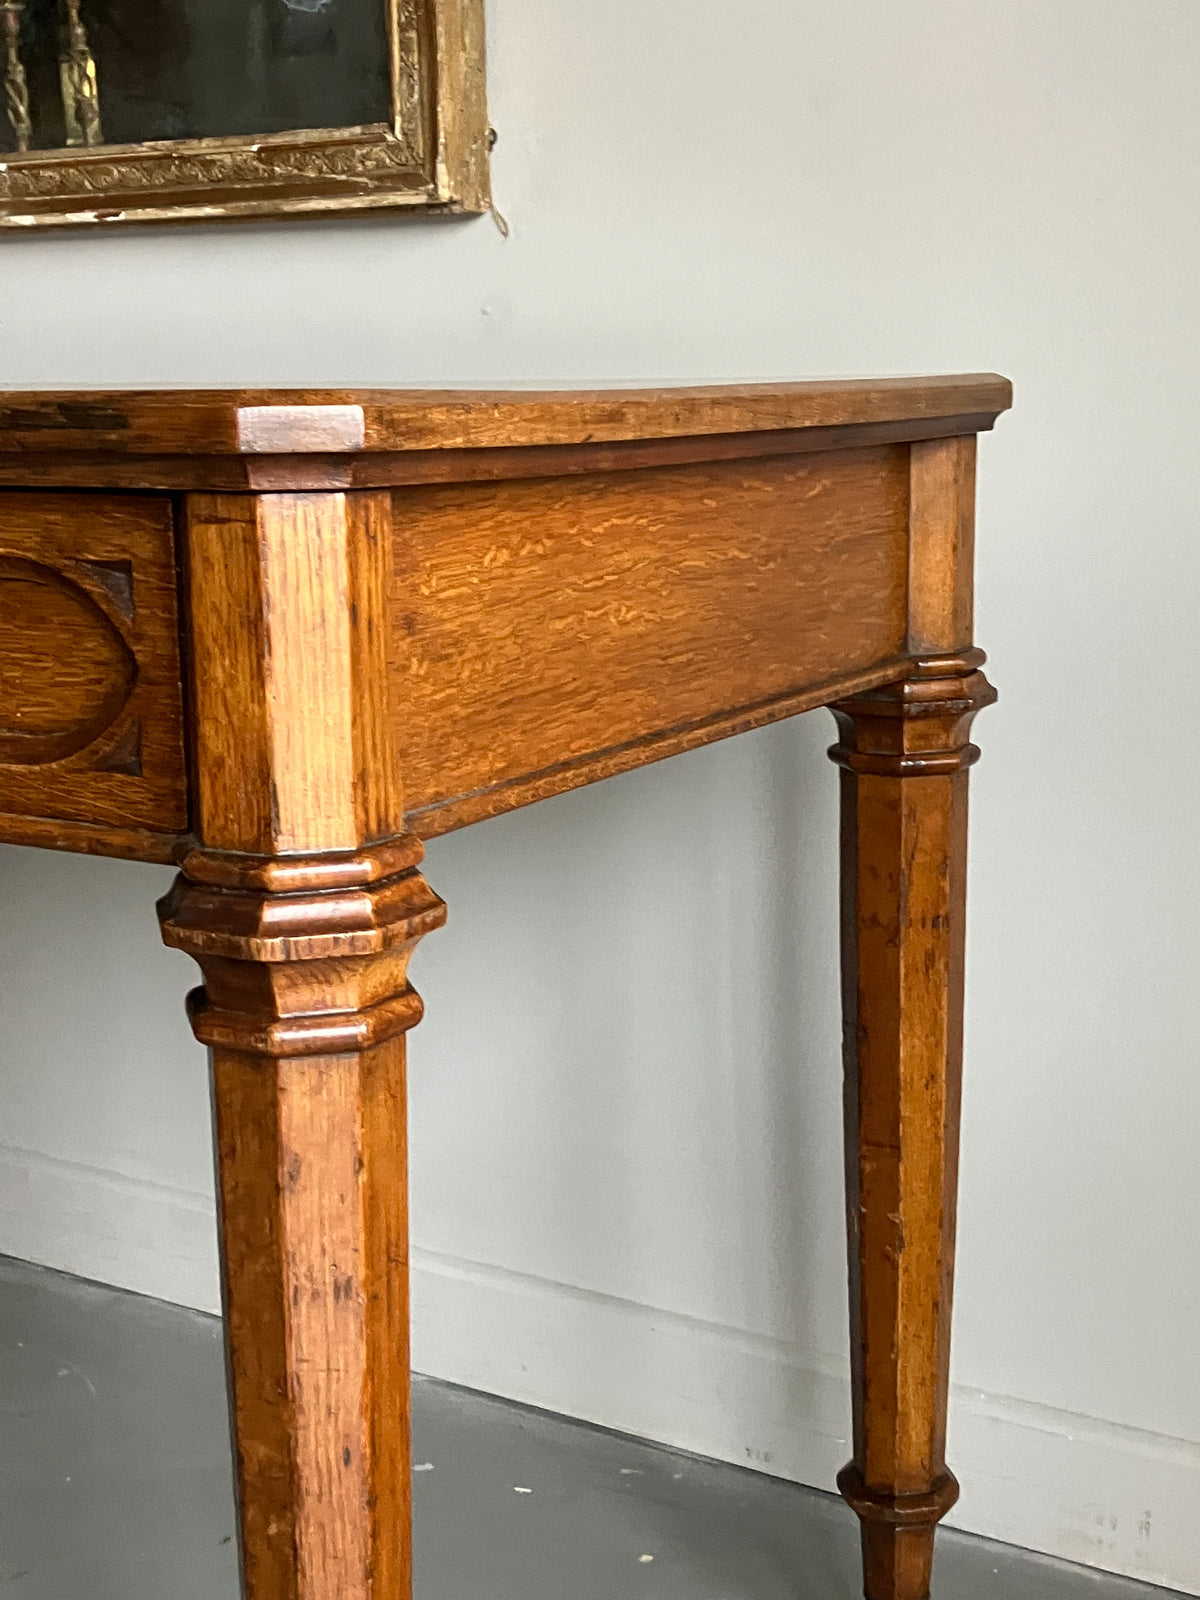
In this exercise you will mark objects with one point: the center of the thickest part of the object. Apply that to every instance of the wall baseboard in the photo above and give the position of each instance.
(1075, 1487)
(1080, 1488)
(96, 1224)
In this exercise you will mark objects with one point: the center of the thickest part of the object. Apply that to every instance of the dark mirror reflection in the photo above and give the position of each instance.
(89, 72)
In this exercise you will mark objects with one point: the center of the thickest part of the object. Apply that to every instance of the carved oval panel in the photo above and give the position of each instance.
(66, 673)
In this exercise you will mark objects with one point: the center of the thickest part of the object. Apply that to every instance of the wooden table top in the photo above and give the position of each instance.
(219, 422)
(330, 439)
(568, 583)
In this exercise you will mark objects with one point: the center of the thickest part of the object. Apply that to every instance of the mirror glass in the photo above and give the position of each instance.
(105, 72)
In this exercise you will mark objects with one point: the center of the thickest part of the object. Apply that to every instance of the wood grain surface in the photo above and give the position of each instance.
(545, 633)
(302, 902)
(941, 588)
(195, 422)
(905, 754)
(91, 703)
(317, 471)
(305, 582)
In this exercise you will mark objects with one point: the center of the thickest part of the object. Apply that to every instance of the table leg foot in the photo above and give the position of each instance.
(897, 1562)
(897, 1534)
(905, 754)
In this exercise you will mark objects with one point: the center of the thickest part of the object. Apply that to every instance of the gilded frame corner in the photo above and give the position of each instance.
(431, 156)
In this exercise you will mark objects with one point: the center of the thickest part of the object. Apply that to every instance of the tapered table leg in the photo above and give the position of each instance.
(905, 754)
(302, 903)
(309, 1097)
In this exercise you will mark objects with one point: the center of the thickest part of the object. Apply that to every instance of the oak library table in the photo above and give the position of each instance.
(279, 639)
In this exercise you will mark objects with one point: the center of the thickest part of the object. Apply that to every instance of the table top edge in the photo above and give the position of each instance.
(255, 422)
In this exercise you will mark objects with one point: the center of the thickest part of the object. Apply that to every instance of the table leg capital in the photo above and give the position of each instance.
(303, 955)
(919, 726)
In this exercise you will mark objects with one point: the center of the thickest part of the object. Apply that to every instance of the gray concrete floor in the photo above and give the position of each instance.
(115, 1485)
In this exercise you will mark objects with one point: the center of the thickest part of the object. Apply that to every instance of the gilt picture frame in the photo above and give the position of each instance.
(424, 148)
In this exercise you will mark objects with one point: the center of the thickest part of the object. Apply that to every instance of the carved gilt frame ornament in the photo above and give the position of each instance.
(432, 155)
